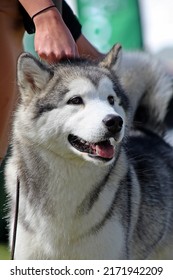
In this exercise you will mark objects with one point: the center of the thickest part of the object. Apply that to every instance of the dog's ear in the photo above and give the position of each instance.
(113, 58)
(32, 75)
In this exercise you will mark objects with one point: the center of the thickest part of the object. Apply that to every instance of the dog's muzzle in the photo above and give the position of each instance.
(102, 150)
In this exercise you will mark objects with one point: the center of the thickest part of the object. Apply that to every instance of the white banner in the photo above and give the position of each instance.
(69, 270)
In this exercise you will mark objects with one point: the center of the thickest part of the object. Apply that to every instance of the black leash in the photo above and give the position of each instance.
(16, 214)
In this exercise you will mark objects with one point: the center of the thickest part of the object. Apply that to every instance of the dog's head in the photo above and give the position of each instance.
(75, 108)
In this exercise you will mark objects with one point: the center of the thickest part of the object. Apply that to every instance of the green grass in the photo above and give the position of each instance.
(4, 252)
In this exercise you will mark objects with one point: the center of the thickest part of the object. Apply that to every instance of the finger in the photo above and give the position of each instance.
(76, 51)
(71, 53)
(49, 56)
(56, 55)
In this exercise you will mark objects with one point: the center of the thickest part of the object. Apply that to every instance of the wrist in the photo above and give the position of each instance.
(46, 15)
(42, 11)
(34, 6)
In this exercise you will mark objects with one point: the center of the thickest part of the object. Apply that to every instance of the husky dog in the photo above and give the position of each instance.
(96, 180)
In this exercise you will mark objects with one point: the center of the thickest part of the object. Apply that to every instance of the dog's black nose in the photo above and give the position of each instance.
(113, 123)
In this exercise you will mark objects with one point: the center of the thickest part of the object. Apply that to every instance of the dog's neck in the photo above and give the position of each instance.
(71, 192)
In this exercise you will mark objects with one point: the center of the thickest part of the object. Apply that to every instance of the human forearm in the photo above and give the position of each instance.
(86, 49)
(53, 40)
(34, 6)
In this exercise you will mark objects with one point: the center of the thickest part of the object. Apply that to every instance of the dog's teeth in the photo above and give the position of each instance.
(82, 141)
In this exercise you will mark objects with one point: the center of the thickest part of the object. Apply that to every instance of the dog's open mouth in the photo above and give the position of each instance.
(102, 150)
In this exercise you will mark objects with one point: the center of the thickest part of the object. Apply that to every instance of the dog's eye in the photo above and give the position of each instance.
(75, 100)
(111, 100)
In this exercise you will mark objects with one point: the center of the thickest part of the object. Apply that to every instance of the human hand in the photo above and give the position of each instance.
(53, 40)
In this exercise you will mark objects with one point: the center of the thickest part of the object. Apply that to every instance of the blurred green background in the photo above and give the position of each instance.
(106, 22)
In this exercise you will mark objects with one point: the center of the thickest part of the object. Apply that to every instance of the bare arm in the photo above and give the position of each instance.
(53, 39)
(34, 6)
(86, 49)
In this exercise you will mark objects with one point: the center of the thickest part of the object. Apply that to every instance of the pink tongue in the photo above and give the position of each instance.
(104, 150)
